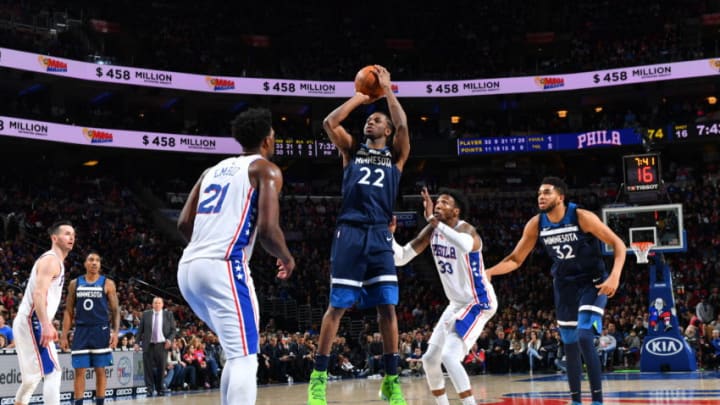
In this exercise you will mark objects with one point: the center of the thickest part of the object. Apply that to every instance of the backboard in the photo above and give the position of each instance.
(661, 224)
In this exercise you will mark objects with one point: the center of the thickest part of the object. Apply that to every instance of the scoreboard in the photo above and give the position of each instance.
(304, 148)
(642, 172)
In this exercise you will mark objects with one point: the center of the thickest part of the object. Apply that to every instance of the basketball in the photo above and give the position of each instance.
(366, 82)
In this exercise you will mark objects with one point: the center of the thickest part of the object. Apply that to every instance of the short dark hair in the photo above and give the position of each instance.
(93, 252)
(55, 227)
(252, 126)
(556, 182)
(461, 201)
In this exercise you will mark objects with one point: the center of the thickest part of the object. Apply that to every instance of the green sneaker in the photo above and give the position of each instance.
(390, 390)
(317, 388)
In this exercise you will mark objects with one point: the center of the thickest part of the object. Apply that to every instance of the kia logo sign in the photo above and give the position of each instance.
(664, 346)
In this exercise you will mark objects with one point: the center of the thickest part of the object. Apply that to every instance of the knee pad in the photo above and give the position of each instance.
(569, 335)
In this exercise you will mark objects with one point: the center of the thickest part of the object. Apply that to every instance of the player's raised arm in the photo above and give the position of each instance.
(337, 133)
(465, 237)
(523, 248)
(401, 142)
(589, 222)
(186, 220)
(269, 183)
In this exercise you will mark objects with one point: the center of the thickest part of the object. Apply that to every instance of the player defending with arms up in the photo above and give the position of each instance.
(232, 203)
(362, 267)
(581, 283)
(35, 334)
(456, 249)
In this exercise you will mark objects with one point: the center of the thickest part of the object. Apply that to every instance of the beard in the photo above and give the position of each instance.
(548, 208)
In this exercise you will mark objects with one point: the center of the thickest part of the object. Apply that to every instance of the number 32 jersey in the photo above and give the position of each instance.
(576, 255)
(226, 217)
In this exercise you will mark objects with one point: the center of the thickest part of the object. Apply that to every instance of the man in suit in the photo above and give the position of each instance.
(156, 332)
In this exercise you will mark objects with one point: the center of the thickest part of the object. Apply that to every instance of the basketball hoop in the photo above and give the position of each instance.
(642, 249)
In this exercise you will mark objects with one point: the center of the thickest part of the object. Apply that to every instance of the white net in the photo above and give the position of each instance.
(642, 249)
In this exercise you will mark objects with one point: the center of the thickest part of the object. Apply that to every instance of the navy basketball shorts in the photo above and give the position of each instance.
(91, 347)
(362, 267)
(575, 297)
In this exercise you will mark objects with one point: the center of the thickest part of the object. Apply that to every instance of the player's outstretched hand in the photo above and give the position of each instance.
(285, 269)
(429, 207)
(383, 78)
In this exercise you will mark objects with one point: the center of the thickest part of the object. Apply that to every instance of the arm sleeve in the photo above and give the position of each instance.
(463, 241)
(403, 254)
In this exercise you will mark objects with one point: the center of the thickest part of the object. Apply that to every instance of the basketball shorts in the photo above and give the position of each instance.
(222, 294)
(575, 296)
(91, 347)
(467, 321)
(362, 267)
(33, 359)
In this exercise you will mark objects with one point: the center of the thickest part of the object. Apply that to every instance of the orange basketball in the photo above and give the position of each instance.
(366, 82)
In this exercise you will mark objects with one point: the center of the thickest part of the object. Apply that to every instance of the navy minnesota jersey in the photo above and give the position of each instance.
(91, 304)
(575, 254)
(370, 186)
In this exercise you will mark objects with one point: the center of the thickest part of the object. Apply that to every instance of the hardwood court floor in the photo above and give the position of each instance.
(619, 388)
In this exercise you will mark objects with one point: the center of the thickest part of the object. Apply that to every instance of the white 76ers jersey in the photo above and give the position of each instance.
(27, 306)
(462, 276)
(226, 216)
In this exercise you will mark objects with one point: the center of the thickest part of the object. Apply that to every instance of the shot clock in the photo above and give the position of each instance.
(642, 172)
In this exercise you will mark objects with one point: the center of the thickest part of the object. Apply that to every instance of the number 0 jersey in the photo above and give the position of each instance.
(370, 186)
(226, 216)
(91, 303)
(462, 275)
(575, 254)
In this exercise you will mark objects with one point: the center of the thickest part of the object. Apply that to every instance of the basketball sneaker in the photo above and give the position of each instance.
(390, 390)
(317, 388)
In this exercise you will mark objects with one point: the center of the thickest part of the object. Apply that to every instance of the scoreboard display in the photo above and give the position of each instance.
(304, 148)
(642, 172)
(705, 130)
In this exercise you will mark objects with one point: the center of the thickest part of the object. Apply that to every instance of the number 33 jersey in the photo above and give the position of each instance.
(226, 214)
(576, 255)
(462, 275)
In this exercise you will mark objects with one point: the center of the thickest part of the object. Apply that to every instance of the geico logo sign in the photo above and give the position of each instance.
(109, 393)
(87, 395)
(7, 401)
(141, 390)
(66, 396)
(664, 346)
(124, 391)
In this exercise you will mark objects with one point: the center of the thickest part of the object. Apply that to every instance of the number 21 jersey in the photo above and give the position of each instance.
(226, 217)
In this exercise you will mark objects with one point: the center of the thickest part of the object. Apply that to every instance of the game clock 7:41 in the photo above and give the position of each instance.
(642, 172)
